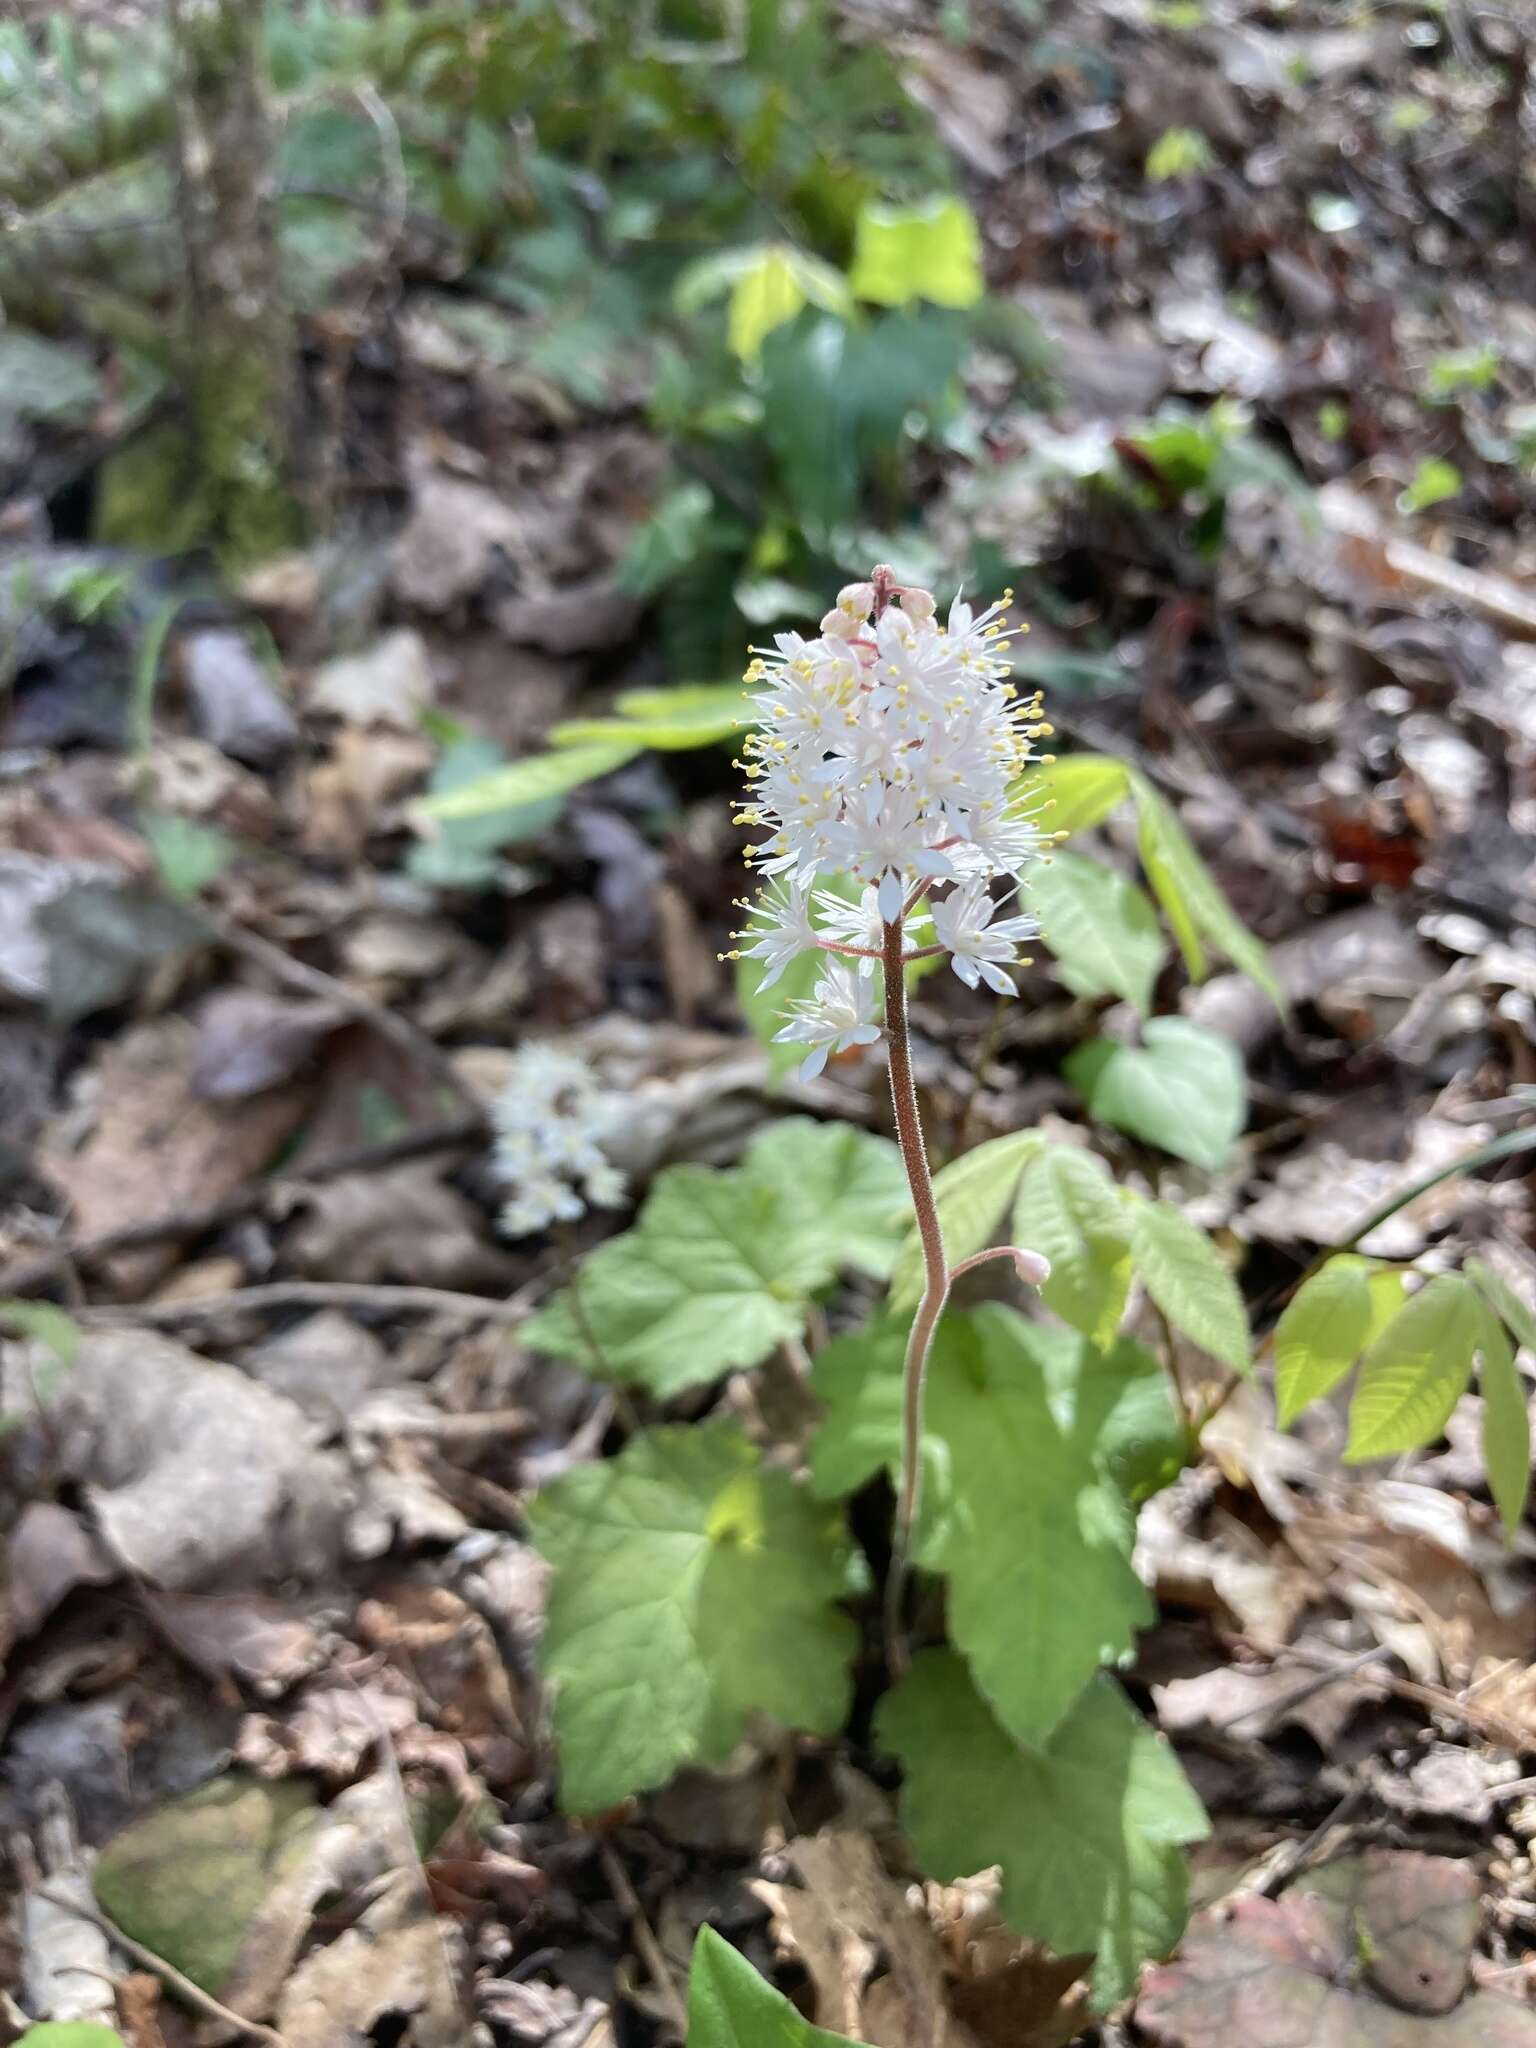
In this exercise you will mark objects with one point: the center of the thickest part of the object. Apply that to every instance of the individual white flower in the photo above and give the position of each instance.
(785, 929)
(839, 1015)
(861, 925)
(980, 948)
(892, 749)
(550, 1119)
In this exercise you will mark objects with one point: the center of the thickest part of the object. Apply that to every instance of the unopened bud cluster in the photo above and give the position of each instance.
(890, 750)
(550, 1119)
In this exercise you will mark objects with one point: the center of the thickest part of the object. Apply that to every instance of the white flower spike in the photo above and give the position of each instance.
(891, 749)
(550, 1118)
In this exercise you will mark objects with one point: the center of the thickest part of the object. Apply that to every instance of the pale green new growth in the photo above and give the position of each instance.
(1416, 1371)
(1328, 1323)
(1087, 1831)
(692, 1589)
(1069, 1210)
(1186, 1278)
(1506, 1419)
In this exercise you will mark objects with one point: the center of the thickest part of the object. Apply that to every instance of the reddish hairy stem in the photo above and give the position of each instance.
(914, 1153)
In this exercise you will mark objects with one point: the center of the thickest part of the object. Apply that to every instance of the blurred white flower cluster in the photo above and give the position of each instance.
(550, 1119)
(891, 749)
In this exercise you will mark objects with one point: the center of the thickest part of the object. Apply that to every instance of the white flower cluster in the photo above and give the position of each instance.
(550, 1119)
(890, 750)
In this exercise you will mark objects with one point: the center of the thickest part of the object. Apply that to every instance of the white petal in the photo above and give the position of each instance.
(891, 896)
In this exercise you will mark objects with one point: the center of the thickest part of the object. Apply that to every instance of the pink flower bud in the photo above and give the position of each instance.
(918, 606)
(1032, 1268)
(857, 600)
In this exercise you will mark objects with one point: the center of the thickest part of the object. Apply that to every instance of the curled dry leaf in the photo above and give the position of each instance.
(249, 1041)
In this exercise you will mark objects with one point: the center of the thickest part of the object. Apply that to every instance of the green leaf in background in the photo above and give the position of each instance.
(692, 1589)
(1416, 1371)
(1069, 1210)
(687, 715)
(1033, 1537)
(1080, 789)
(41, 380)
(1192, 902)
(1178, 153)
(1506, 1420)
(902, 253)
(1434, 482)
(461, 853)
(971, 1193)
(848, 1181)
(1184, 1274)
(721, 1265)
(71, 2034)
(1101, 928)
(1087, 1833)
(1517, 1316)
(59, 1334)
(768, 284)
(669, 541)
(1320, 1335)
(731, 2006)
(188, 854)
(531, 781)
(1183, 1088)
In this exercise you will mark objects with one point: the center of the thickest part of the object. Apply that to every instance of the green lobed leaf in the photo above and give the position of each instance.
(1087, 1832)
(1321, 1333)
(1033, 1537)
(1081, 789)
(1114, 1405)
(692, 1588)
(1191, 899)
(530, 781)
(720, 1265)
(1101, 928)
(1068, 1209)
(902, 253)
(1416, 1371)
(731, 2006)
(1518, 1318)
(1185, 1276)
(1183, 1088)
(849, 1183)
(971, 1194)
(1506, 1420)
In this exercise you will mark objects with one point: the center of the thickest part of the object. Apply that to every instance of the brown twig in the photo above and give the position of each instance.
(319, 1294)
(405, 1036)
(650, 1948)
(192, 1994)
(198, 1220)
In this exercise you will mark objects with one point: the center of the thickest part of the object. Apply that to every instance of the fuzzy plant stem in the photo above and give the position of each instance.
(914, 1153)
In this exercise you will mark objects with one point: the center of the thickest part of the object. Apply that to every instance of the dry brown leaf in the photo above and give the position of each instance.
(197, 1477)
(347, 797)
(403, 1224)
(390, 683)
(156, 1147)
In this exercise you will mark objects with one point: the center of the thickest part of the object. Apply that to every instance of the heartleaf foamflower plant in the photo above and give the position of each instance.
(891, 749)
(550, 1119)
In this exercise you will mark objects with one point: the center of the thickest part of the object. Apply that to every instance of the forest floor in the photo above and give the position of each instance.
(272, 1520)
